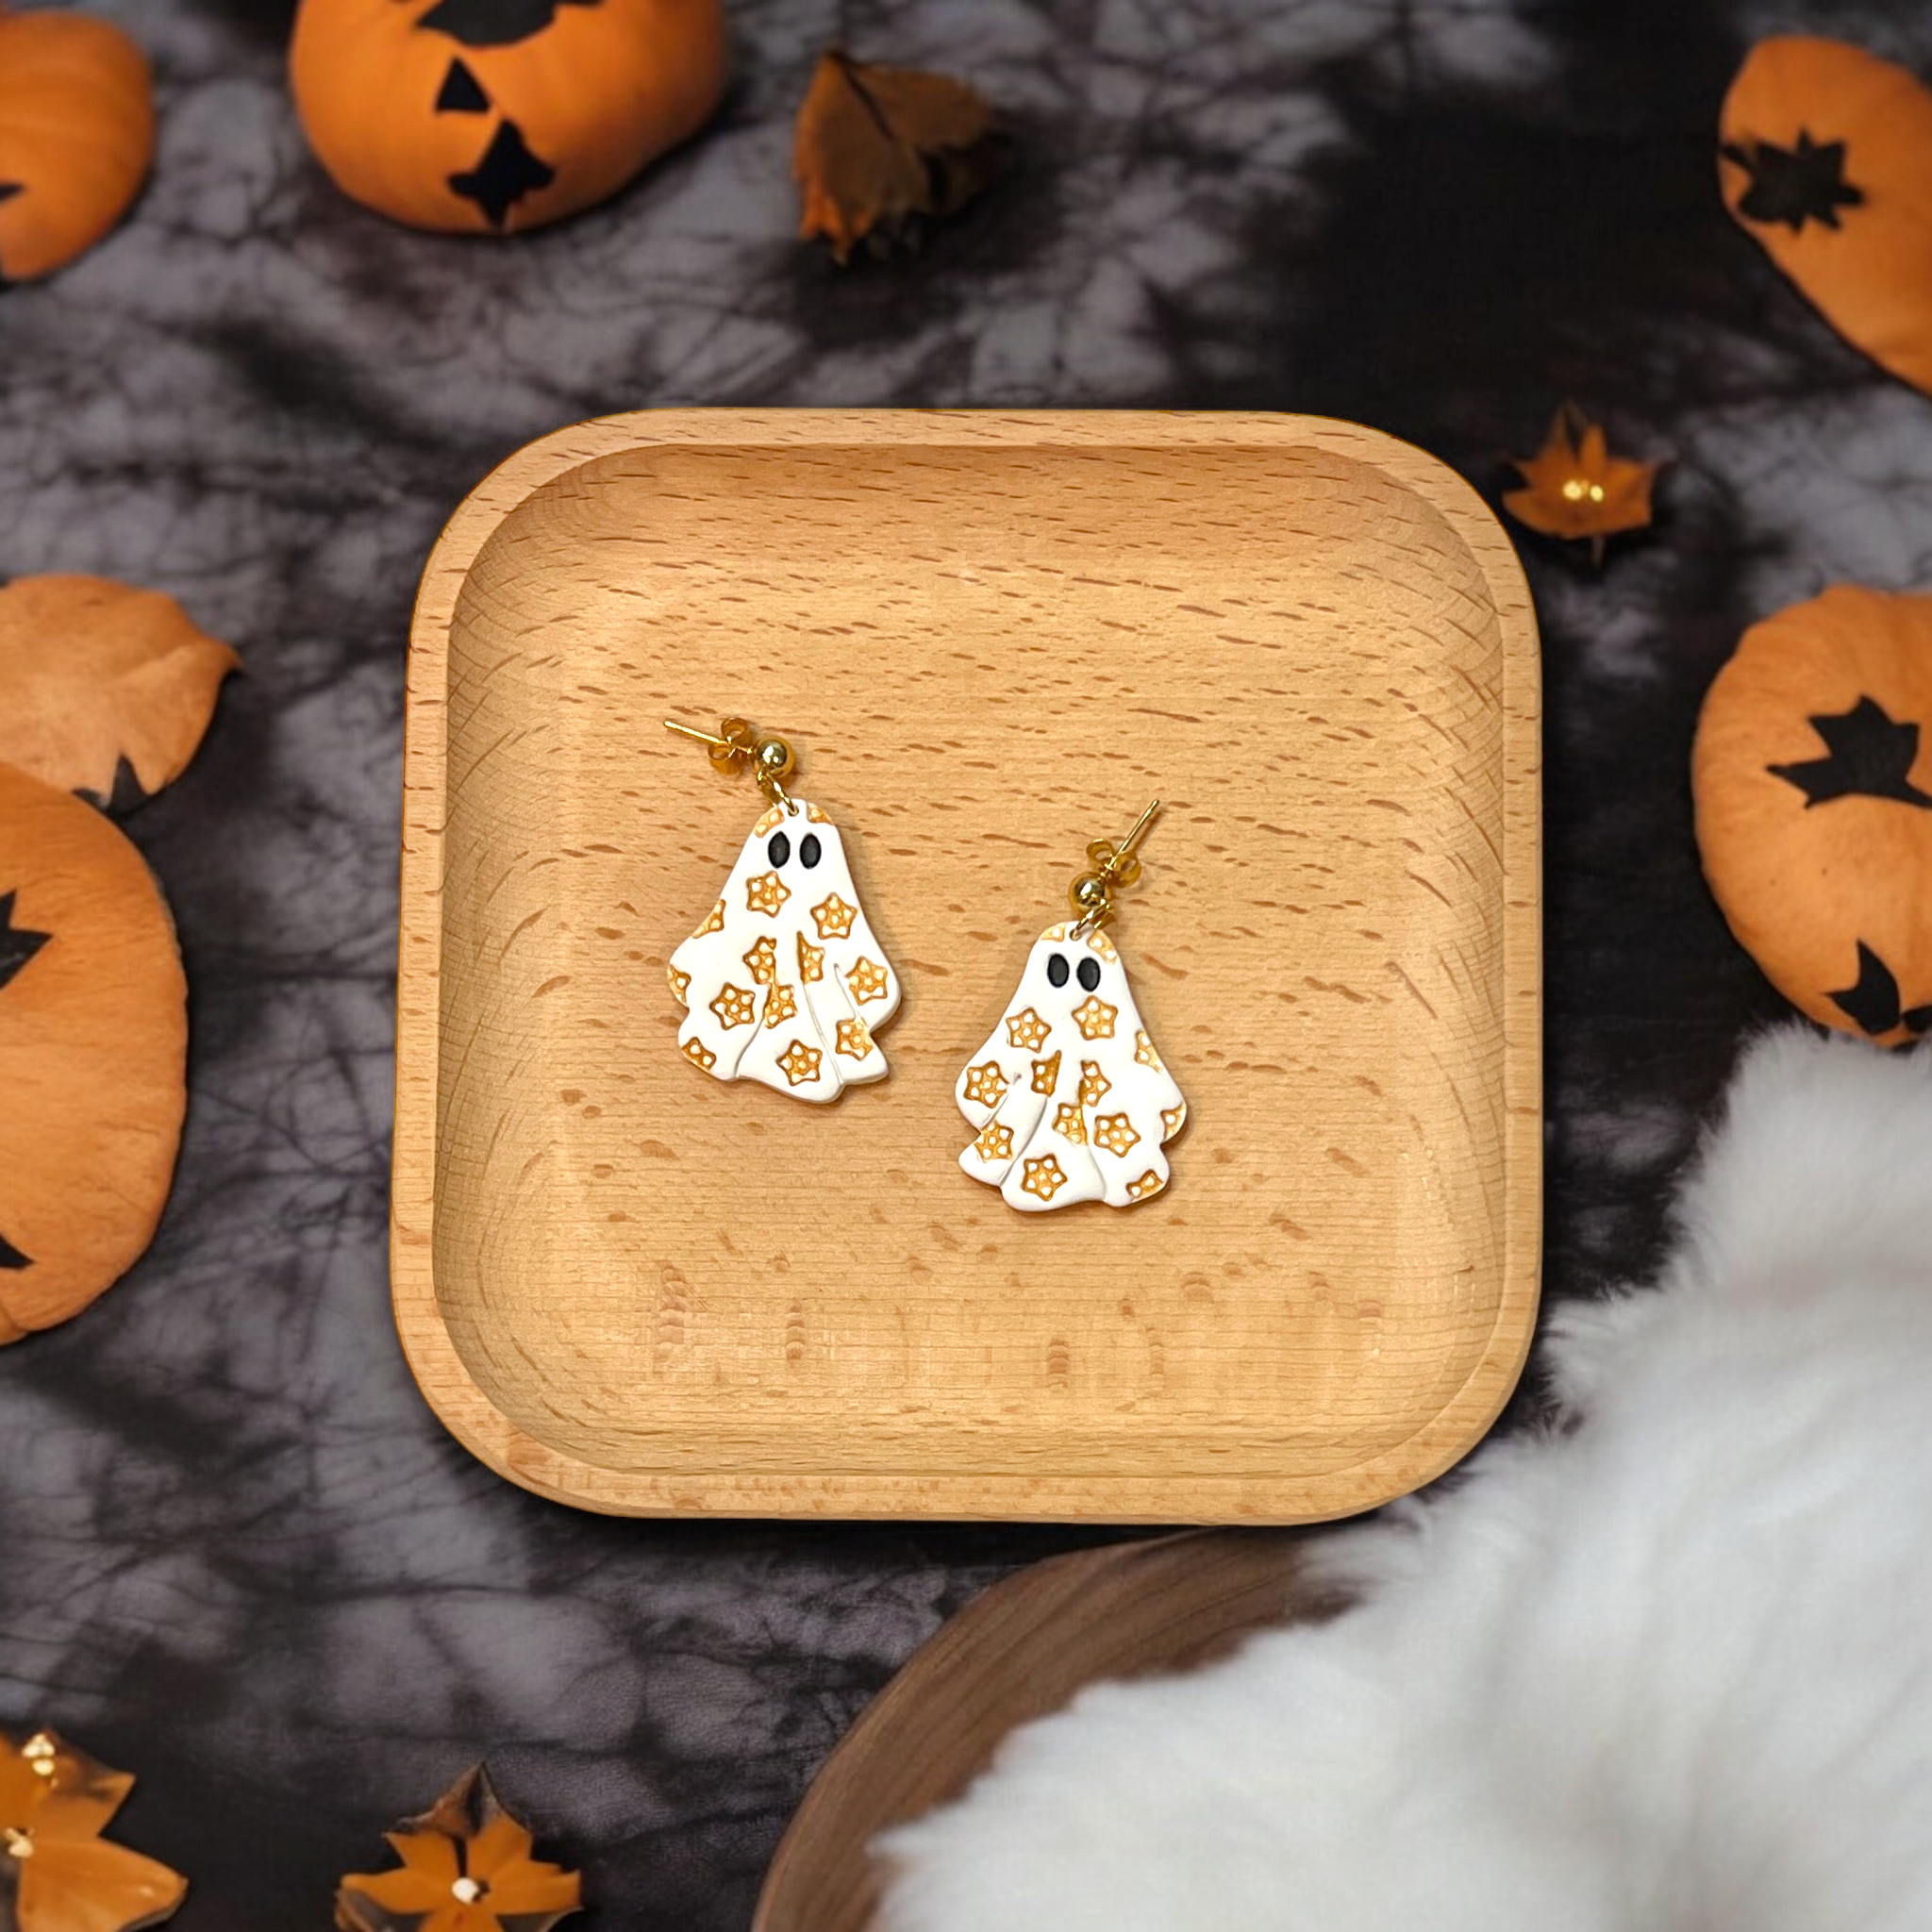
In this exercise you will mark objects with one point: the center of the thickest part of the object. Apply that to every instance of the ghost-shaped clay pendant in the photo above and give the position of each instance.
(1069, 1098)
(784, 982)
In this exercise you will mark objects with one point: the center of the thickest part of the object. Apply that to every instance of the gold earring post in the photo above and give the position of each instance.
(702, 737)
(1140, 824)
(1092, 894)
(735, 746)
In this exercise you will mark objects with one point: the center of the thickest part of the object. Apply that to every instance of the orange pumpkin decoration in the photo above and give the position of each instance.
(76, 136)
(97, 674)
(1825, 157)
(1812, 774)
(93, 1034)
(485, 116)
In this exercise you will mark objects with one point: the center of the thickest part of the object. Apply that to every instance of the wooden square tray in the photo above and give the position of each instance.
(992, 638)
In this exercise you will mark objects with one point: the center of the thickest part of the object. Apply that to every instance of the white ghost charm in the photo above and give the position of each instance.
(1069, 1098)
(784, 982)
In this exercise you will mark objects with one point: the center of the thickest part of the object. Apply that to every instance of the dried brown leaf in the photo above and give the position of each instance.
(1575, 489)
(93, 671)
(878, 145)
(62, 1874)
(466, 1867)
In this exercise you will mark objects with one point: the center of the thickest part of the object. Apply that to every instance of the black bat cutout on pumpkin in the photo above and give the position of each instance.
(1873, 1002)
(494, 23)
(508, 172)
(1871, 756)
(1795, 184)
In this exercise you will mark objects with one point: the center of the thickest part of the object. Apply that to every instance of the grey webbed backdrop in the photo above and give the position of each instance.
(237, 1554)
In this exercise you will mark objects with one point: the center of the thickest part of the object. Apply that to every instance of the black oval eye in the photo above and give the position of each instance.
(1057, 969)
(780, 850)
(809, 852)
(1090, 974)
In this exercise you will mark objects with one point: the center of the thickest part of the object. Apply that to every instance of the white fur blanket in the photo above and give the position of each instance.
(1666, 1669)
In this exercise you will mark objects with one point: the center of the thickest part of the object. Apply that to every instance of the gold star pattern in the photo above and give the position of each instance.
(699, 1055)
(766, 893)
(1094, 1018)
(811, 961)
(815, 817)
(800, 1062)
(714, 924)
(1054, 934)
(1145, 1054)
(736, 1005)
(985, 1084)
(1104, 946)
(1044, 1179)
(1066, 1123)
(1115, 1132)
(762, 961)
(867, 980)
(1149, 1183)
(1026, 1030)
(1046, 1074)
(680, 985)
(993, 1142)
(854, 1042)
(1094, 1085)
(834, 918)
(781, 1004)
(1172, 1118)
(769, 821)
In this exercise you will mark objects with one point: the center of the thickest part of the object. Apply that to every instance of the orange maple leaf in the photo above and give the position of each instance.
(466, 1868)
(877, 146)
(1576, 489)
(54, 1803)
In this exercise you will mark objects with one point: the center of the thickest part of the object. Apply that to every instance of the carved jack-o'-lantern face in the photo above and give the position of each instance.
(494, 115)
(1813, 779)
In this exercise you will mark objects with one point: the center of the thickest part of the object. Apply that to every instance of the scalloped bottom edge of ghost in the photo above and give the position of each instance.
(1068, 1095)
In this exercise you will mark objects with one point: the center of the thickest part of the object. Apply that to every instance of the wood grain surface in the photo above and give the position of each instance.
(992, 638)
(1023, 1649)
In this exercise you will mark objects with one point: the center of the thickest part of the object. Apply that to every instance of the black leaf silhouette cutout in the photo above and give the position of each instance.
(508, 172)
(17, 945)
(463, 92)
(1795, 184)
(1871, 755)
(494, 23)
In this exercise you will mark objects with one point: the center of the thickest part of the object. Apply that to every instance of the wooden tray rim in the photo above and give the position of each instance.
(467, 1411)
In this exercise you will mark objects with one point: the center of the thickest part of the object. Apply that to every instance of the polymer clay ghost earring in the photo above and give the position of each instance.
(784, 981)
(1069, 1097)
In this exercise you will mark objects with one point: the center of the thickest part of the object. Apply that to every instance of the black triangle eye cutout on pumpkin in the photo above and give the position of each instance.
(11, 1257)
(10, 189)
(17, 945)
(1794, 185)
(508, 172)
(463, 92)
(494, 23)
(1871, 756)
(1873, 1003)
